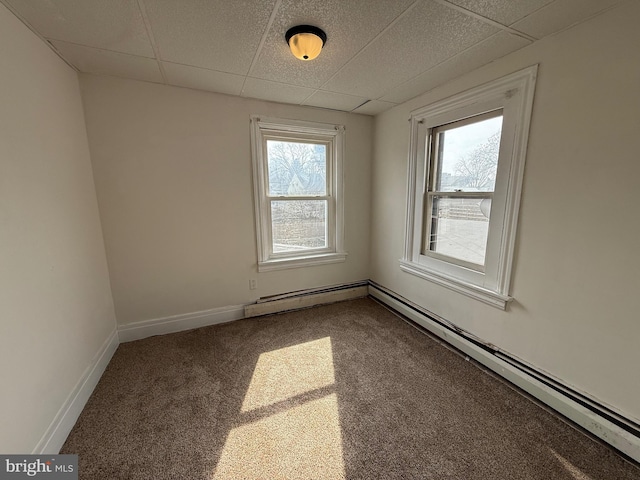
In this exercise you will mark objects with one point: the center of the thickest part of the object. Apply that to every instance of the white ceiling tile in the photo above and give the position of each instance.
(560, 15)
(384, 50)
(374, 107)
(274, 91)
(480, 54)
(503, 11)
(116, 26)
(93, 60)
(202, 79)
(216, 34)
(349, 27)
(335, 101)
(430, 34)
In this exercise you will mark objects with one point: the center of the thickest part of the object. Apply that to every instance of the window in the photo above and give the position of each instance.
(466, 166)
(297, 170)
(463, 162)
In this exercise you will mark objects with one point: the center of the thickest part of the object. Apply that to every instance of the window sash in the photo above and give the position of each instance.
(328, 230)
(298, 138)
(428, 228)
(435, 150)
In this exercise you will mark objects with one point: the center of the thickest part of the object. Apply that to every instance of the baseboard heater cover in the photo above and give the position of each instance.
(306, 298)
(618, 431)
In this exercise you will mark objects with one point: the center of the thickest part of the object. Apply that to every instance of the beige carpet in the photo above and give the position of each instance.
(347, 390)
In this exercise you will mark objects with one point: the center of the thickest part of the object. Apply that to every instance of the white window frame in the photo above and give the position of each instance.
(263, 129)
(512, 94)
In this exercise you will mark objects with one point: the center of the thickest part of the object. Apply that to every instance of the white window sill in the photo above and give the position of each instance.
(302, 261)
(489, 297)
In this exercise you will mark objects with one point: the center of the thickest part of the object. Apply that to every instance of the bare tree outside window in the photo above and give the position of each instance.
(478, 169)
(296, 168)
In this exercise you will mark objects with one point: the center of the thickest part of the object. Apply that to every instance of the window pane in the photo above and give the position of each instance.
(298, 224)
(296, 169)
(460, 227)
(468, 156)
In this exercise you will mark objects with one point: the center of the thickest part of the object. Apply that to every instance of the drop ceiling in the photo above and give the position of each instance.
(379, 52)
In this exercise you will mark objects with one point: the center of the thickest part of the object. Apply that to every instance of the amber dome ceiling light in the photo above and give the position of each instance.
(305, 41)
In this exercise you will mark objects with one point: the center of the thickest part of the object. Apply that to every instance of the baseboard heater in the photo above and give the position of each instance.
(613, 428)
(306, 298)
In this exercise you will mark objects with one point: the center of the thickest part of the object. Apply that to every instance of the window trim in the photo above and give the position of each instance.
(514, 95)
(264, 128)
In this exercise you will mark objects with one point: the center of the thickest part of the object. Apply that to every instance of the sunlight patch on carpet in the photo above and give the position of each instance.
(288, 372)
(301, 442)
(295, 435)
(574, 471)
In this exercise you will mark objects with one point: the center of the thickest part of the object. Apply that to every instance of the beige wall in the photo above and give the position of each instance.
(173, 175)
(55, 303)
(577, 262)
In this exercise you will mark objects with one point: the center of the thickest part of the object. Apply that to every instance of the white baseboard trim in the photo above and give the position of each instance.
(304, 301)
(58, 431)
(179, 323)
(599, 426)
